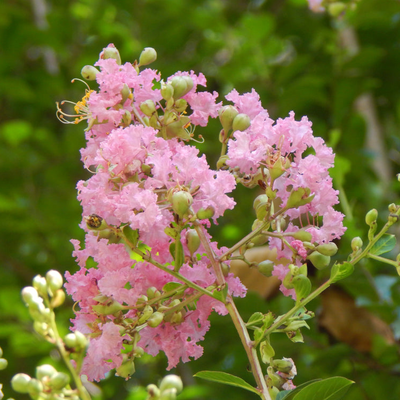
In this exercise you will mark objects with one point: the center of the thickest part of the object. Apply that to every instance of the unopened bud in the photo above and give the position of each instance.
(327, 249)
(266, 267)
(225, 269)
(192, 241)
(148, 107)
(155, 319)
(182, 85)
(89, 72)
(153, 391)
(20, 383)
(81, 340)
(45, 371)
(241, 122)
(59, 380)
(110, 308)
(168, 394)
(206, 213)
(302, 235)
(3, 364)
(337, 8)
(41, 327)
(181, 202)
(126, 369)
(95, 222)
(226, 117)
(125, 93)
(152, 292)
(371, 216)
(171, 382)
(356, 244)
(283, 365)
(40, 284)
(29, 294)
(147, 56)
(35, 387)
(54, 280)
(167, 91)
(70, 340)
(58, 298)
(319, 260)
(111, 52)
(180, 105)
(146, 313)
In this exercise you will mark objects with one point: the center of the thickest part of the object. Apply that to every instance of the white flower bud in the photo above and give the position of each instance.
(54, 280)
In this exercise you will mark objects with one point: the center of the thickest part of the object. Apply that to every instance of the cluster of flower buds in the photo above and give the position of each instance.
(48, 383)
(170, 387)
(280, 375)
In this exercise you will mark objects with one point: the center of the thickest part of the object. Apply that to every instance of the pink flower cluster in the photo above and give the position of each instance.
(135, 172)
(261, 146)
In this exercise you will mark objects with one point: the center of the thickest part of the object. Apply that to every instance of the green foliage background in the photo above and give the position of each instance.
(296, 60)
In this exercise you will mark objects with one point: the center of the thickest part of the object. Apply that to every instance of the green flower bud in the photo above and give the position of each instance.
(176, 318)
(70, 340)
(181, 202)
(29, 295)
(287, 281)
(126, 369)
(153, 391)
(284, 365)
(148, 107)
(81, 340)
(192, 241)
(146, 313)
(58, 298)
(356, 243)
(241, 122)
(45, 371)
(319, 260)
(327, 249)
(259, 200)
(266, 267)
(111, 52)
(168, 394)
(40, 284)
(41, 328)
(302, 235)
(59, 380)
(299, 197)
(167, 90)
(371, 216)
(142, 299)
(54, 280)
(89, 72)
(180, 86)
(147, 56)
(337, 8)
(189, 83)
(273, 392)
(205, 213)
(126, 118)
(155, 319)
(35, 387)
(20, 383)
(111, 308)
(3, 363)
(225, 269)
(221, 163)
(125, 93)
(180, 105)
(37, 309)
(302, 286)
(275, 379)
(152, 292)
(226, 117)
(259, 240)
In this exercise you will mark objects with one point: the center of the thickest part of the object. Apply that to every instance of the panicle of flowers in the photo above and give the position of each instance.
(147, 191)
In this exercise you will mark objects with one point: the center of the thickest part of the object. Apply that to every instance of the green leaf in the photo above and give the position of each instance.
(326, 389)
(171, 286)
(255, 319)
(341, 271)
(227, 379)
(131, 235)
(385, 244)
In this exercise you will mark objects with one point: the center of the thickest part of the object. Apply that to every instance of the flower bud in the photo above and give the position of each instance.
(145, 315)
(336, 8)
(20, 383)
(54, 280)
(3, 363)
(126, 118)
(29, 294)
(148, 107)
(266, 267)
(168, 394)
(181, 202)
(110, 308)
(59, 380)
(192, 241)
(302, 286)
(111, 52)
(226, 117)
(153, 391)
(319, 260)
(299, 197)
(147, 56)
(259, 240)
(89, 72)
(81, 340)
(221, 163)
(155, 319)
(45, 371)
(176, 318)
(327, 249)
(241, 122)
(205, 213)
(287, 281)
(152, 292)
(371, 216)
(58, 298)
(302, 235)
(95, 222)
(70, 340)
(356, 243)
(189, 83)
(225, 269)
(284, 365)
(126, 369)
(279, 168)
(35, 387)
(125, 93)
(167, 90)
(41, 328)
(180, 105)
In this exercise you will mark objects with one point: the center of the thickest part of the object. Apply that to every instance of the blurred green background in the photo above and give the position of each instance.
(344, 74)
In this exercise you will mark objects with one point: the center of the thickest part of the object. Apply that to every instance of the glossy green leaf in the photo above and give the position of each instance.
(341, 271)
(255, 319)
(227, 379)
(385, 244)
